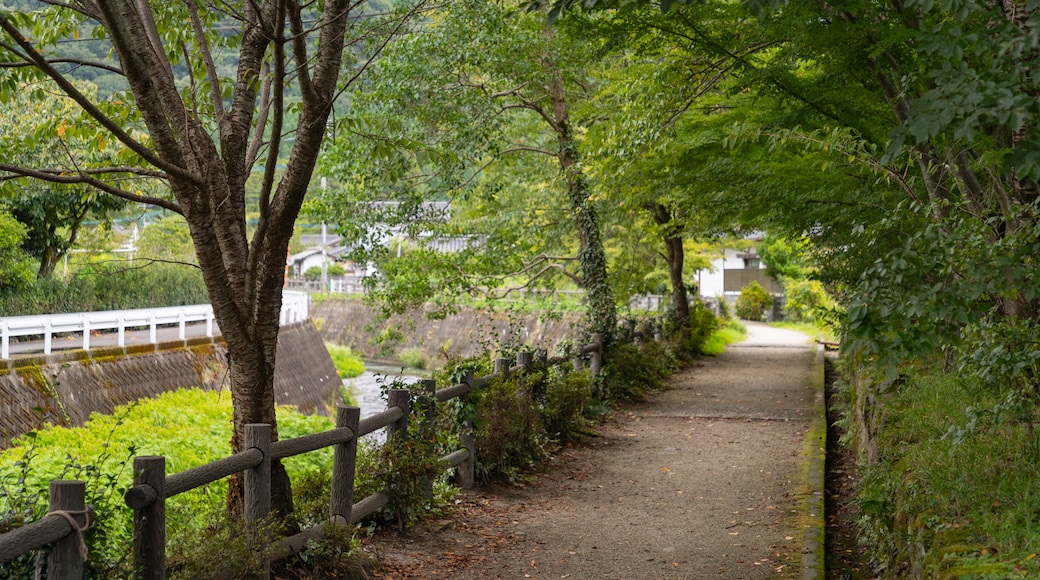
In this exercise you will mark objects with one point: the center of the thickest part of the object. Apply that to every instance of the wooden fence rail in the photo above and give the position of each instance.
(152, 487)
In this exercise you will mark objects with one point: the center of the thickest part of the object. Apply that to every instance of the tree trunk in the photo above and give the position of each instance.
(602, 314)
(207, 177)
(673, 244)
(680, 299)
(48, 261)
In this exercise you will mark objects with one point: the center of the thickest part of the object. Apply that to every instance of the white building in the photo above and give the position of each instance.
(732, 272)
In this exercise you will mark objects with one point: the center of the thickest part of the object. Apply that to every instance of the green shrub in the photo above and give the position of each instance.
(510, 435)
(220, 549)
(109, 287)
(566, 398)
(348, 364)
(754, 302)
(806, 300)
(413, 358)
(703, 323)
(333, 270)
(633, 372)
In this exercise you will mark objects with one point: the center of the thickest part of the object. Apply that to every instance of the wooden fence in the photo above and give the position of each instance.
(152, 486)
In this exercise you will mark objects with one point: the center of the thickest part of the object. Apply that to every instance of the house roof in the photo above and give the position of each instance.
(314, 240)
(301, 256)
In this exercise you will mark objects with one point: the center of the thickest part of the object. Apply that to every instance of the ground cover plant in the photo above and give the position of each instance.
(348, 364)
(950, 486)
(188, 427)
(731, 332)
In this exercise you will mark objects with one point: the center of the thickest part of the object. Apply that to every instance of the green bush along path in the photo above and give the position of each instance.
(708, 479)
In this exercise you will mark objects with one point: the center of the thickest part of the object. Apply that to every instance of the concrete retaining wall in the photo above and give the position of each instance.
(349, 322)
(65, 388)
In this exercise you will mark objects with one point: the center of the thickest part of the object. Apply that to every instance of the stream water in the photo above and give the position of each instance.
(367, 390)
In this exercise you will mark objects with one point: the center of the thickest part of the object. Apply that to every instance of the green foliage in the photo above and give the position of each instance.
(949, 286)
(188, 427)
(510, 434)
(753, 303)
(566, 406)
(167, 239)
(407, 464)
(15, 266)
(219, 548)
(42, 129)
(703, 324)
(784, 258)
(413, 358)
(333, 270)
(806, 300)
(732, 332)
(348, 364)
(110, 287)
(511, 162)
(634, 372)
(955, 474)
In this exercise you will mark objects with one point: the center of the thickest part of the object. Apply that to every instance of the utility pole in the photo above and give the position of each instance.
(324, 245)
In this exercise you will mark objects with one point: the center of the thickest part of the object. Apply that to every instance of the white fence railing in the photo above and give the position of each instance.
(295, 307)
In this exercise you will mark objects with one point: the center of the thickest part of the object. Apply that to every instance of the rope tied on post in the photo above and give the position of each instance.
(70, 516)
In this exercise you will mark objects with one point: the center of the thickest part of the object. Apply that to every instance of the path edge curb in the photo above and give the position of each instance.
(814, 539)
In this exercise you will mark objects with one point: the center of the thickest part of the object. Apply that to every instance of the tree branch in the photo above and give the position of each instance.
(415, 10)
(53, 61)
(58, 176)
(211, 69)
(261, 120)
(67, 87)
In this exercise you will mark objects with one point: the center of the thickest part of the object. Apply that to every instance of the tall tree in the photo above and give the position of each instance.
(203, 135)
(483, 83)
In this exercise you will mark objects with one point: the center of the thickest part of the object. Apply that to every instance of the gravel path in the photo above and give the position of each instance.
(703, 481)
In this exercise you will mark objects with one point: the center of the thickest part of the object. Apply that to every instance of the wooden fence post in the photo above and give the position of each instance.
(344, 464)
(596, 359)
(150, 521)
(256, 482)
(576, 360)
(467, 469)
(402, 399)
(67, 557)
(429, 427)
(525, 361)
(502, 367)
(659, 329)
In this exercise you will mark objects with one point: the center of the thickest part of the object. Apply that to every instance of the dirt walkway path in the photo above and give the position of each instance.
(703, 481)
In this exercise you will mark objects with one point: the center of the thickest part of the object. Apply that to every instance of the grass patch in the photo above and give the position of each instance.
(348, 364)
(956, 474)
(732, 332)
(808, 328)
(413, 358)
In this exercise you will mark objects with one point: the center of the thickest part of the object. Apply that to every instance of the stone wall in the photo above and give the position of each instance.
(65, 388)
(349, 322)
